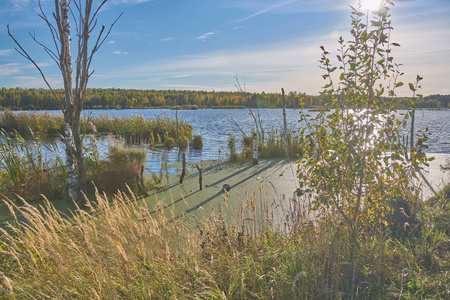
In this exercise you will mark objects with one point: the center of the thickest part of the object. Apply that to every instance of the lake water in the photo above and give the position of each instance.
(215, 125)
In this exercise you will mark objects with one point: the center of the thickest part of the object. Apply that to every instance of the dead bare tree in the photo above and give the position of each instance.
(256, 117)
(85, 20)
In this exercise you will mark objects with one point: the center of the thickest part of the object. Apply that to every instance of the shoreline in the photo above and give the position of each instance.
(271, 180)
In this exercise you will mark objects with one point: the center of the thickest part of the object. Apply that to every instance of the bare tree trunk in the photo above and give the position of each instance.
(66, 69)
(79, 156)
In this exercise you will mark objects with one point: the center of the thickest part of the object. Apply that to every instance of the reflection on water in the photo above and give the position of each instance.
(214, 125)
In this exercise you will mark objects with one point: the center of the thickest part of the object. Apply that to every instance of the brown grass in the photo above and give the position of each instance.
(263, 249)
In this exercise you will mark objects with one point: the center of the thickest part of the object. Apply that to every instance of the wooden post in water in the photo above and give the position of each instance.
(200, 179)
(183, 172)
(255, 149)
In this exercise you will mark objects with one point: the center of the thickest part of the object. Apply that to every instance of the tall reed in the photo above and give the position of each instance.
(26, 172)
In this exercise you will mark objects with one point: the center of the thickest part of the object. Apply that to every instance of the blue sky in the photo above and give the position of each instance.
(202, 44)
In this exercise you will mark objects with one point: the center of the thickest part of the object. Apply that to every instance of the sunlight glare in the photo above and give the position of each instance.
(370, 5)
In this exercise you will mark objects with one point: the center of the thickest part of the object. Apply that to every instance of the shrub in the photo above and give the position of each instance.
(353, 163)
(197, 142)
(123, 167)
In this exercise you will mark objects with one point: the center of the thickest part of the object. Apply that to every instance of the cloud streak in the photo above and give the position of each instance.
(266, 10)
(6, 52)
(206, 35)
(9, 69)
(167, 39)
(292, 65)
(180, 76)
(131, 2)
(18, 4)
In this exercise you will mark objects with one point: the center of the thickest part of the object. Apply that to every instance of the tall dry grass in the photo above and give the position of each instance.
(262, 249)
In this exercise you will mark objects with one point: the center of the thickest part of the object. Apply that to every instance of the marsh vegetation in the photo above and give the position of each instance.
(354, 229)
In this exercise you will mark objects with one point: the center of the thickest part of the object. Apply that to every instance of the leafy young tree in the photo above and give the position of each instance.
(85, 19)
(354, 163)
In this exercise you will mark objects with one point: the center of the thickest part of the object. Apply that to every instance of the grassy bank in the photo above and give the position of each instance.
(125, 249)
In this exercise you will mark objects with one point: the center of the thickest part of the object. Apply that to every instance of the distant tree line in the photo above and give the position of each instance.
(42, 99)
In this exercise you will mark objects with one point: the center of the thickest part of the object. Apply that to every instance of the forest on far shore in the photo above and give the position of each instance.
(42, 99)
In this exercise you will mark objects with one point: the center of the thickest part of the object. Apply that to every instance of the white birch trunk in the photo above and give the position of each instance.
(72, 179)
(66, 68)
(285, 128)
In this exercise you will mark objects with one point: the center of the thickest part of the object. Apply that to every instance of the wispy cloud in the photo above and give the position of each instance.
(299, 6)
(37, 82)
(167, 39)
(6, 52)
(206, 35)
(292, 65)
(263, 11)
(9, 69)
(189, 86)
(18, 4)
(120, 52)
(180, 76)
(132, 2)
(111, 42)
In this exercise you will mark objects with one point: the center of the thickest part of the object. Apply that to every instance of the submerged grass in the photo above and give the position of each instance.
(122, 248)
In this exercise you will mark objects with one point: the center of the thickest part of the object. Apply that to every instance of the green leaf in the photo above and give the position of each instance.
(399, 84)
(411, 87)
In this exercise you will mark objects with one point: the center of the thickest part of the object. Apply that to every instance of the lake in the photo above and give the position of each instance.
(215, 125)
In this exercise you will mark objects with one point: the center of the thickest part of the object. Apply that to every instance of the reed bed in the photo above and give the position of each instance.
(271, 145)
(120, 248)
(26, 171)
(163, 129)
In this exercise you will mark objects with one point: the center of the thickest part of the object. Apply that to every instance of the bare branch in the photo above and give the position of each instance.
(238, 84)
(238, 127)
(94, 16)
(47, 49)
(77, 29)
(98, 44)
(25, 54)
(52, 28)
(108, 33)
